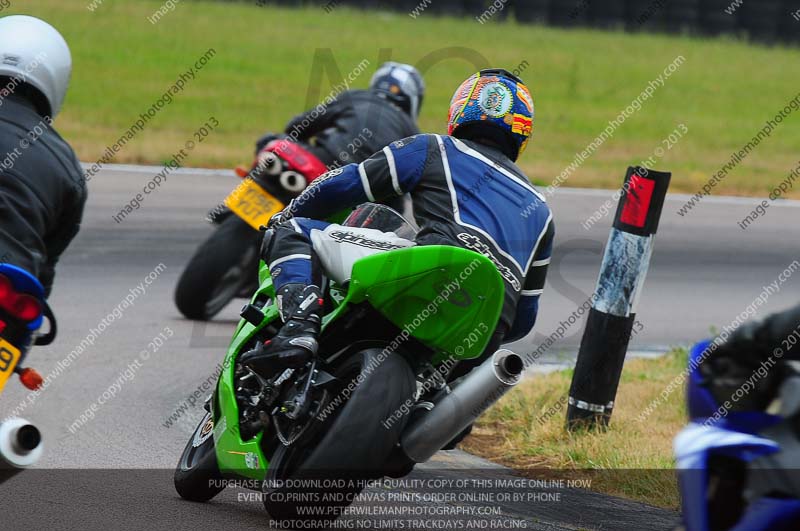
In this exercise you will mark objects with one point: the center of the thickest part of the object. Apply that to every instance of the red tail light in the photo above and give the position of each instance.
(19, 305)
(26, 308)
(6, 289)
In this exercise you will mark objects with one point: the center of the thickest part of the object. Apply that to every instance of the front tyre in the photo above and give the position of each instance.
(358, 438)
(197, 476)
(224, 264)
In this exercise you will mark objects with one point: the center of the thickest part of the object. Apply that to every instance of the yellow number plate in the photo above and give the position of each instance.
(9, 356)
(253, 204)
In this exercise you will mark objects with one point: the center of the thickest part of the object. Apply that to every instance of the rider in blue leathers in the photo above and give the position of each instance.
(734, 361)
(466, 191)
(738, 456)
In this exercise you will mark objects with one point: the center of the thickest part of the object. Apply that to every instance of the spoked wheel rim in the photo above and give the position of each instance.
(291, 458)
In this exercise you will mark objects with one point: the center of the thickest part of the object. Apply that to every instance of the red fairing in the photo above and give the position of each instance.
(299, 159)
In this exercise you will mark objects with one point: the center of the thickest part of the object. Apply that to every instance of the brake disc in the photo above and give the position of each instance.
(312, 416)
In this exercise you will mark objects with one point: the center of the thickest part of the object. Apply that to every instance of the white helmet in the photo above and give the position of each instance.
(401, 83)
(34, 52)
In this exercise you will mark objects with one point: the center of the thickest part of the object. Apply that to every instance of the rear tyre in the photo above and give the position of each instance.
(218, 271)
(354, 447)
(197, 476)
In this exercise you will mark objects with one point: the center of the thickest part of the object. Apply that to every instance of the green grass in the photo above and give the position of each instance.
(580, 79)
(525, 431)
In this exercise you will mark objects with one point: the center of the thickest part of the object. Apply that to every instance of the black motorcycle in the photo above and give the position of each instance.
(225, 266)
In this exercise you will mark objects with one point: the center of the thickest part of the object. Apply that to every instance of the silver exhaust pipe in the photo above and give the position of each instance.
(20, 446)
(469, 398)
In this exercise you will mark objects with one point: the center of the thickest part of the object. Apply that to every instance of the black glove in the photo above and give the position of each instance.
(281, 217)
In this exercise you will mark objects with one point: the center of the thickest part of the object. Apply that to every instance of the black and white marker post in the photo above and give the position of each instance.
(608, 327)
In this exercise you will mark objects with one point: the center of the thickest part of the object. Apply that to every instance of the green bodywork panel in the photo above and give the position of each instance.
(448, 298)
(438, 294)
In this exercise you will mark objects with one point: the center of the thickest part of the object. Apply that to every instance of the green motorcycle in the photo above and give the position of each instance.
(377, 399)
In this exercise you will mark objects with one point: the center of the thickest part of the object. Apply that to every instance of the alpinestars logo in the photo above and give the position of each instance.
(362, 241)
(474, 243)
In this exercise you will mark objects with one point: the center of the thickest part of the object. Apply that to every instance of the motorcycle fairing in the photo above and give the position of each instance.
(775, 514)
(693, 447)
(401, 285)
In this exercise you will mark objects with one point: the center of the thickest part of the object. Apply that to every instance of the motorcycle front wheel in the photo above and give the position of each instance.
(197, 477)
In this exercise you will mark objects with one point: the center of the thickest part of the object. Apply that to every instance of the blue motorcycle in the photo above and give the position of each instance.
(23, 310)
(739, 471)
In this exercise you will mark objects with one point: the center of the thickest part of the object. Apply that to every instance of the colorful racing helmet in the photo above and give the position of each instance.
(496, 105)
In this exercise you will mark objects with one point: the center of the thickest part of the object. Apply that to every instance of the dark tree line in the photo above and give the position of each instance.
(764, 20)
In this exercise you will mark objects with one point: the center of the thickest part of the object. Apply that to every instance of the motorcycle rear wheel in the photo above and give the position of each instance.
(220, 268)
(354, 447)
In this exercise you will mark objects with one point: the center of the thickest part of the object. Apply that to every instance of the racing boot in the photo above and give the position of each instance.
(296, 342)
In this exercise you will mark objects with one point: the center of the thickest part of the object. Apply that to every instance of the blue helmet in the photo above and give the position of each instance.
(495, 105)
(402, 84)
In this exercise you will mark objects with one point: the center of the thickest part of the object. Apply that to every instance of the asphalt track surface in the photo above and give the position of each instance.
(705, 271)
